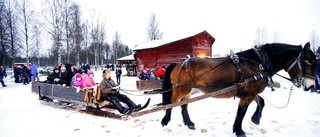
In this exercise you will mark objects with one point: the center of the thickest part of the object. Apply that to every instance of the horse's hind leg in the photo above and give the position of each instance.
(257, 114)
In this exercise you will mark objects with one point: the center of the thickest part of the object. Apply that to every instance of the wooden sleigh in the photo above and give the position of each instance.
(69, 98)
(83, 100)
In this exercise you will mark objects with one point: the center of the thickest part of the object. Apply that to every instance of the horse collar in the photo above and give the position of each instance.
(265, 62)
(265, 65)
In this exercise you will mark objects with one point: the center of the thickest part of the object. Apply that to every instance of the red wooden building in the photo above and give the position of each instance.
(158, 53)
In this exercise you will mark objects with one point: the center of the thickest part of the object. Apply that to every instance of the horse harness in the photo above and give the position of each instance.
(264, 66)
(242, 82)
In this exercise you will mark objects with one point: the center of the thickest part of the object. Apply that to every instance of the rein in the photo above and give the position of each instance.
(128, 92)
(281, 106)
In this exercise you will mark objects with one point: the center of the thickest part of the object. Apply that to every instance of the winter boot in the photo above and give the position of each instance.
(130, 103)
(120, 107)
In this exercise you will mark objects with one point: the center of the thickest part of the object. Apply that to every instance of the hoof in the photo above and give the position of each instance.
(192, 127)
(163, 123)
(255, 121)
(244, 135)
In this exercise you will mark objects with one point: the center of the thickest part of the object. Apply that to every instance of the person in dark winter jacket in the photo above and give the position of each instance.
(25, 73)
(16, 73)
(152, 75)
(144, 75)
(70, 72)
(3, 74)
(34, 72)
(317, 75)
(63, 77)
(118, 75)
(54, 78)
(110, 93)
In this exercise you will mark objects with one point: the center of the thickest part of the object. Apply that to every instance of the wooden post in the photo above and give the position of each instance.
(212, 94)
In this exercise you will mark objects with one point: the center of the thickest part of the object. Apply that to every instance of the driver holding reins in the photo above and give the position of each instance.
(110, 92)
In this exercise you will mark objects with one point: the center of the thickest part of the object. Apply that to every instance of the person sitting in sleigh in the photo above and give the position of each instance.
(110, 92)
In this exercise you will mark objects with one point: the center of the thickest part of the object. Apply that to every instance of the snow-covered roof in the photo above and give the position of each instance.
(160, 42)
(129, 57)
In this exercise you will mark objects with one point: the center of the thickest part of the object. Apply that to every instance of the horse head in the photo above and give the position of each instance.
(301, 68)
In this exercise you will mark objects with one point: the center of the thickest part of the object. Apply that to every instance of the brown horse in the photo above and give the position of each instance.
(254, 67)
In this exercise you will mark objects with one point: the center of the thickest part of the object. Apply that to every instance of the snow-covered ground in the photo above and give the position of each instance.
(22, 115)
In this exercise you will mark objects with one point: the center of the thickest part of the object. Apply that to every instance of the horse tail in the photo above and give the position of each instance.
(167, 85)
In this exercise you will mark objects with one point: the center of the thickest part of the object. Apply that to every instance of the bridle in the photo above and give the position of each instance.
(301, 62)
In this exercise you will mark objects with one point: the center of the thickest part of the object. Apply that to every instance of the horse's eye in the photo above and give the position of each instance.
(310, 61)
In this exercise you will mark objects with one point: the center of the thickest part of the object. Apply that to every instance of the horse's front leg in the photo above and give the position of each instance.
(258, 113)
(186, 119)
(166, 119)
(242, 109)
(184, 111)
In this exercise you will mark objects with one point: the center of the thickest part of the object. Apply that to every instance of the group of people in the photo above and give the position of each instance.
(26, 73)
(22, 73)
(66, 75)
(152, 75)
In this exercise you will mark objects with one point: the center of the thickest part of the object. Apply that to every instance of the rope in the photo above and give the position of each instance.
(125, 91)
(281, 106)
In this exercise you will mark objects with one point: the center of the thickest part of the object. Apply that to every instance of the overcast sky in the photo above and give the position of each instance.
(232, 22)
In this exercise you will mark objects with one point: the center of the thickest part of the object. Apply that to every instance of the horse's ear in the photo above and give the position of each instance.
(307, 46)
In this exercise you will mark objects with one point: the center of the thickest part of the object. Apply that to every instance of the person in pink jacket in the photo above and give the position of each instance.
(88, 80)
(79, 80)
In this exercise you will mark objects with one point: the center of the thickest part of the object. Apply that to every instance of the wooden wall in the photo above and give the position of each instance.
(164, 55)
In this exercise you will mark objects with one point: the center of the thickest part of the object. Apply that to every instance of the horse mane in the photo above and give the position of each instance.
(271, 48)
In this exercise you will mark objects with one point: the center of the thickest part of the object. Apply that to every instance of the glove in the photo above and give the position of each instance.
(115, 90)
(116, 87)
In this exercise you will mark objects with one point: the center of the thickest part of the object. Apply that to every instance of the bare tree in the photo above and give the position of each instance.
(37, 50)
(97, 36)
(116, 45)
(153, 29)
(94, 35)
(75, 27)
(314, 41)
(56, 22)
(26, 17)
(3, 32)
(107, 51)
(261, 36)
(67, 28)
(14, 40)
(86, 38)
(101, 39)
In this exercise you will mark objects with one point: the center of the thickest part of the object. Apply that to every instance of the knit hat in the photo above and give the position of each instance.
(90, 72)
(78, 75)
(63, 68)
